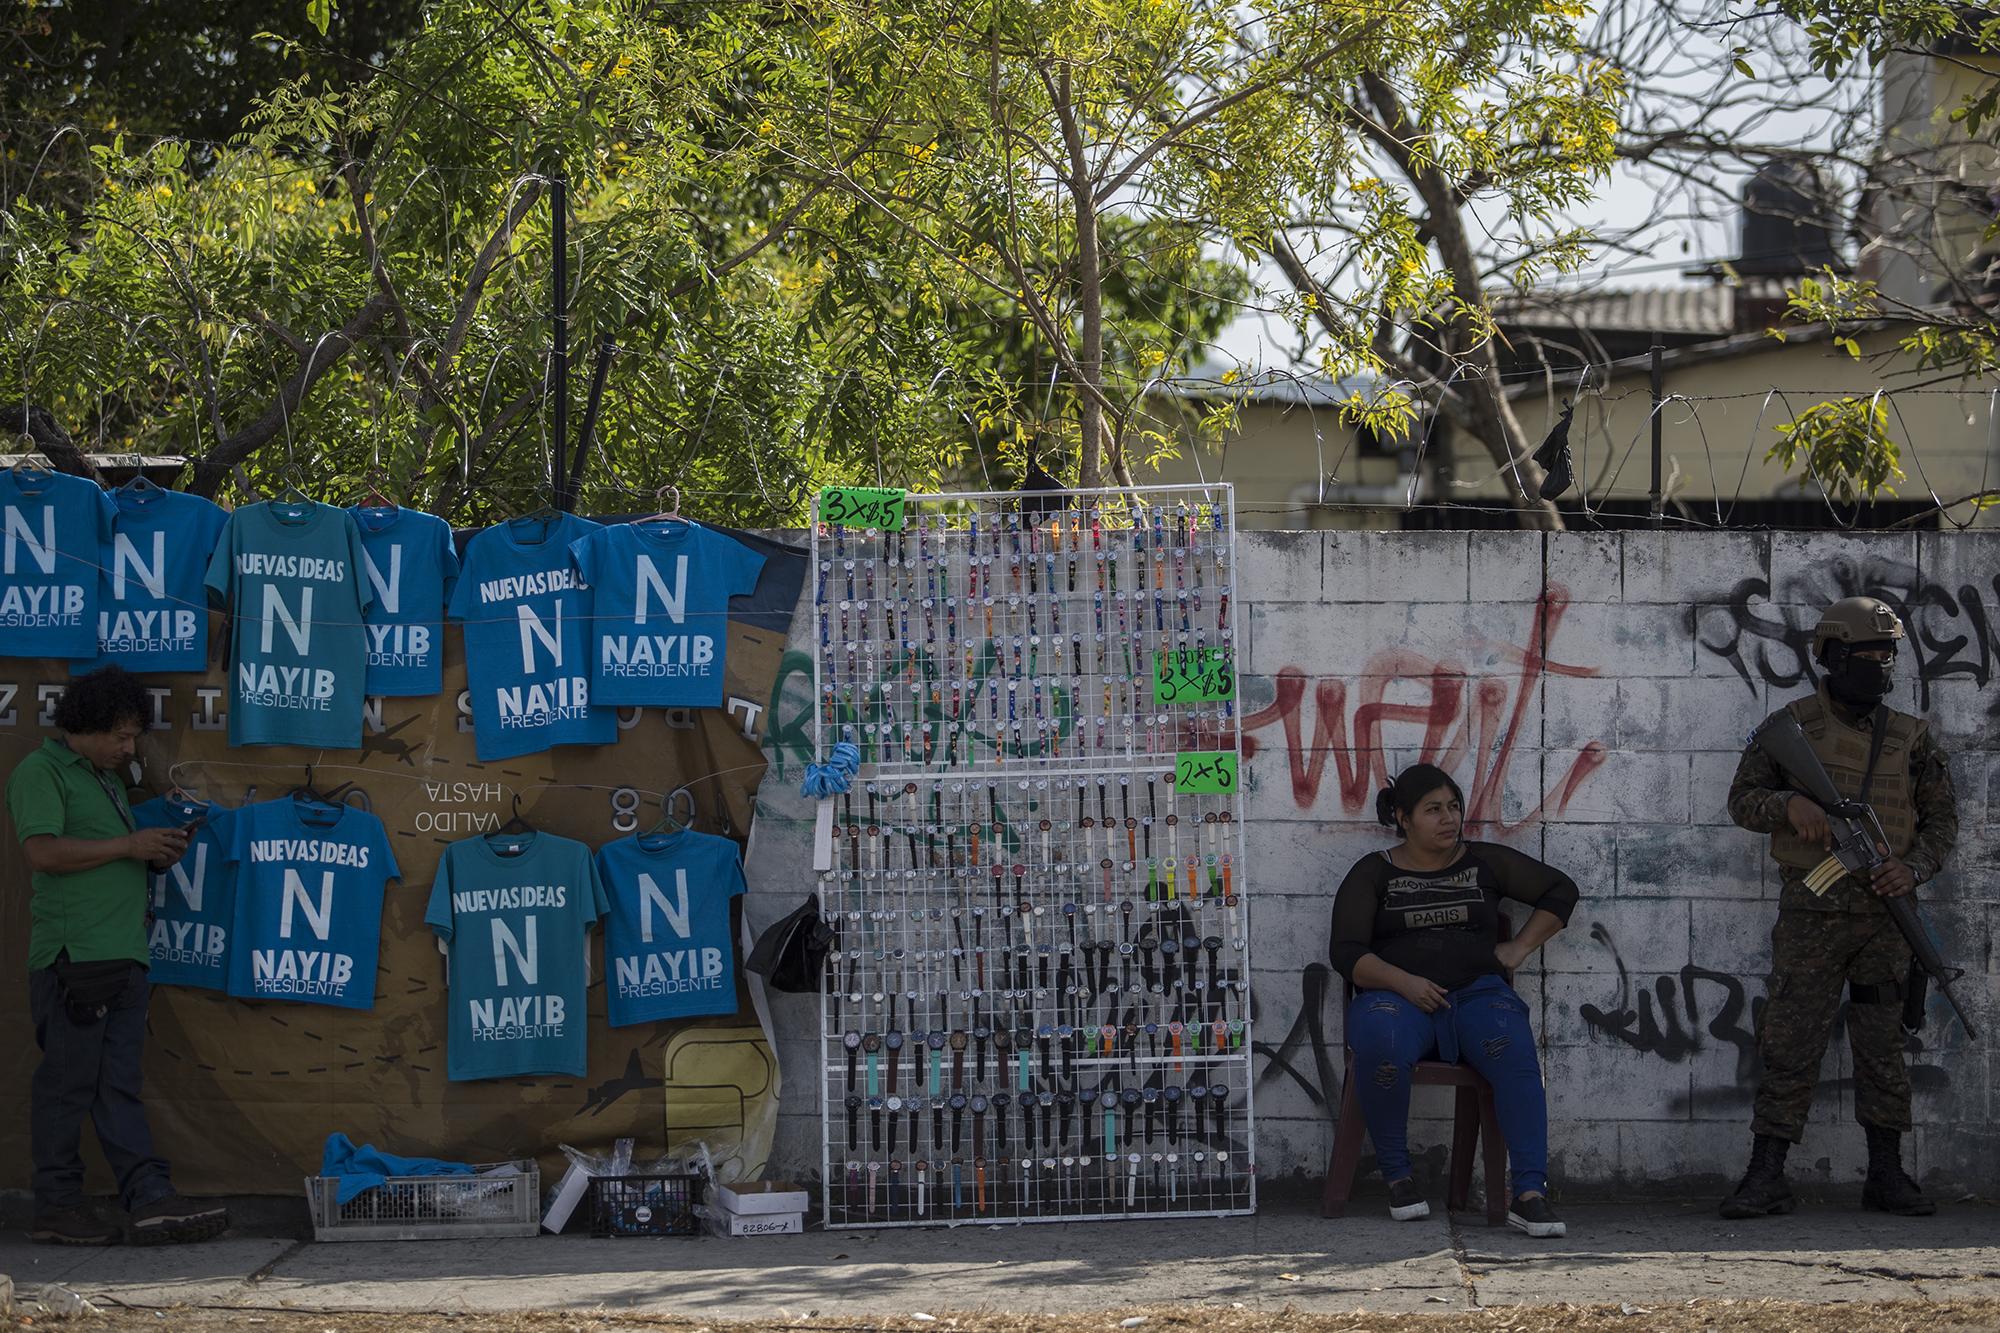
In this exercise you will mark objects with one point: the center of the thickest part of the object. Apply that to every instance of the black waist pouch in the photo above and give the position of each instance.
(89, 989)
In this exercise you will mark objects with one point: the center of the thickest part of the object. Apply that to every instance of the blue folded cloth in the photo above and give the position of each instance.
(362, 1169)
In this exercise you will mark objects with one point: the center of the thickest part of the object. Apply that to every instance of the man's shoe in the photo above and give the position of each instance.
(1532, 1214)
(80, 1225)
(1763, 1191)
(1406, 1200)
(175, 1220)
(1888, 1188)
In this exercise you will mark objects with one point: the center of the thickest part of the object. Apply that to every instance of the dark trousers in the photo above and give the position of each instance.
(1815, 956)
(1486, 1025)
(91, 1070)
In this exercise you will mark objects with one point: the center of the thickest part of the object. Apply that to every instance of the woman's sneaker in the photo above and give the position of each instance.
(1534, 1216)
(1406, 1200)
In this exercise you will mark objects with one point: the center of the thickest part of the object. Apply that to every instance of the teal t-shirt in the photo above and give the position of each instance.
(290, 576)
(516, 934)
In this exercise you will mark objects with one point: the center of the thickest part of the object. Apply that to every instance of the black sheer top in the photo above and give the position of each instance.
(1439, 924)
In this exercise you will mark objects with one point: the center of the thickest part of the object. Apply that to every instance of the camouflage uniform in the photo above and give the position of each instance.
(1843, 937)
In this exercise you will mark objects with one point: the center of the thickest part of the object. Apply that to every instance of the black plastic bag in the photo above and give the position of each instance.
(791, 955)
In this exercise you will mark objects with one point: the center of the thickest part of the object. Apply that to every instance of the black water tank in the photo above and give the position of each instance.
(1786, 222)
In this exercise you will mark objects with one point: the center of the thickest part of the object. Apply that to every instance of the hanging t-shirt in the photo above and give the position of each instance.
(54, 530)
(660, 597)
(152, 612)
(410, 565)
(527, 616)
(194, 900)
(290, 576)
(515, 929)
(309, 884)
(668, 951)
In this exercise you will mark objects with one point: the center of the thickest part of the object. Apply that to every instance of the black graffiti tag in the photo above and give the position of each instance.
(1768, 638)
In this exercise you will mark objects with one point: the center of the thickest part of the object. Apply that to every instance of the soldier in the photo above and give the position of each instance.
(1845, 936)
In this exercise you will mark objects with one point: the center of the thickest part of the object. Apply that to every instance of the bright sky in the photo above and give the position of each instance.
(1678, 227)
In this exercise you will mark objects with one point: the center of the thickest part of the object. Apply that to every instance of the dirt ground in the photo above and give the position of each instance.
(1691, 1317)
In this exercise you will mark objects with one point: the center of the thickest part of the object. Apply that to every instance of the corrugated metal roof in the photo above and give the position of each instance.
(1706, 310)
(1207, 381)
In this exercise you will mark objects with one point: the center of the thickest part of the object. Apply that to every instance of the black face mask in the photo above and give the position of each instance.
(1860, 682)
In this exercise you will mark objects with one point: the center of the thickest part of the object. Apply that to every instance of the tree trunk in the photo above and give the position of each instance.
(1090, 296)
(1490, 415)
(50, 439)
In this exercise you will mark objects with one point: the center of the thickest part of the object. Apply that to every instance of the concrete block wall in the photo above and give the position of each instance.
(1590, 693)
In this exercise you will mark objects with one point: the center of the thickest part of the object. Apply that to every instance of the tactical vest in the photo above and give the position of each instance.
(1843, 749)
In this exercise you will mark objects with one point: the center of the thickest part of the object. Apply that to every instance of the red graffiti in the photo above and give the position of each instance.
(1487, 730)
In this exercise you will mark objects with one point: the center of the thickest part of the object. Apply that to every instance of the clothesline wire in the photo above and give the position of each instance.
(174, 770)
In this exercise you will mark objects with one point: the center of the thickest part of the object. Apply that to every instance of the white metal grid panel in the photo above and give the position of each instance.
(1038, 1002)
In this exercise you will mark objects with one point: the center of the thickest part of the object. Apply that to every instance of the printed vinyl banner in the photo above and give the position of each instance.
(242, 1094)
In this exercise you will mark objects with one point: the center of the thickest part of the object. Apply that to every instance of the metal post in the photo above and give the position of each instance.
(1658, 384)
(587, 432)
(558, 386)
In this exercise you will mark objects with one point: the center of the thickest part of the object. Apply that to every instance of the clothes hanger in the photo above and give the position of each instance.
(669, 823)
(672, 513)
(376, 477)
(543, 517)
(305, 791)
(519, 823)
(516, 827)
(28, 472)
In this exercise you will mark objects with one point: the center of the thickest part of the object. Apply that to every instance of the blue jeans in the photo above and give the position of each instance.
(90, 1070)
(1486, 1026)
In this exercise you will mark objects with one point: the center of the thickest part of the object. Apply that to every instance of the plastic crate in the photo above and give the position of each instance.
(497, 1199)
(661, 1205)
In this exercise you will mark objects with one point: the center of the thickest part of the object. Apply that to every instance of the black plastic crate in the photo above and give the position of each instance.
(660, 1205)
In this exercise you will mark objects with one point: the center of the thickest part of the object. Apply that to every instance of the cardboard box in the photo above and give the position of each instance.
(755, 1198)
(723, 1222)
(568, 1193)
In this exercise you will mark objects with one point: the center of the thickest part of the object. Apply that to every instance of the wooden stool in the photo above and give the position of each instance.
(1473, 1115)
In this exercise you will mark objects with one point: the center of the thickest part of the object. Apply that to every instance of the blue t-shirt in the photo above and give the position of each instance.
(410, 565)
(660, 595)
(668, 952)
(194, 901)
(290, 577)
(152, 612)
(515, 929)
(54, 531)
(527, 629)
(309, 883)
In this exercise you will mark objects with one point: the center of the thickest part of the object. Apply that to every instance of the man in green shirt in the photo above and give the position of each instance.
(87, 986)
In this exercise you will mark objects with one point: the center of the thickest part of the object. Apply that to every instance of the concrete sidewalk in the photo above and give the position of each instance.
(1642, 1254)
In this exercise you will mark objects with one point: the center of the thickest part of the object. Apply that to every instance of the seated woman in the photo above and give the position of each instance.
(1416, 930)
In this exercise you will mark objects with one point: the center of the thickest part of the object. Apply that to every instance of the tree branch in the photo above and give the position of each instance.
(212, 470)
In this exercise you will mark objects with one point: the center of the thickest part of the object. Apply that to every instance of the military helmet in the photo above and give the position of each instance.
(1854, 620)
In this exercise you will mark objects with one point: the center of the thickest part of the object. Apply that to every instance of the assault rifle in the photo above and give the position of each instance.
(1858, 841)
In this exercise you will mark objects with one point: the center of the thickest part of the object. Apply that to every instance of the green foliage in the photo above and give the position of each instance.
(835, 241)
(188, 68)
(1845, 445)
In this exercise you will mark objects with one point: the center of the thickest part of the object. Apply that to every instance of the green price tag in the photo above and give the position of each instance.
(1193, 675)
(1209, 772)
(862, 507)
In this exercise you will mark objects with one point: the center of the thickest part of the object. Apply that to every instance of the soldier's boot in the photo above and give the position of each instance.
(1888, 1188)
(1763, 1190)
